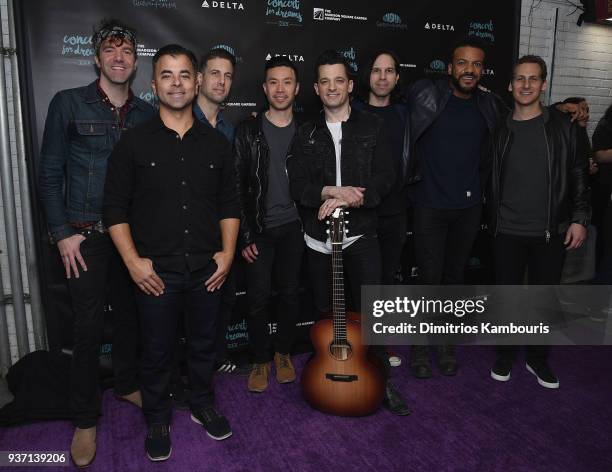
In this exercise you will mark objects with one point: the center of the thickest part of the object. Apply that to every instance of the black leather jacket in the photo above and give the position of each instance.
(426, 99)
(252, 159)
(366, 162)
(568, 172)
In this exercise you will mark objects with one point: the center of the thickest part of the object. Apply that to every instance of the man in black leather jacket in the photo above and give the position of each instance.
(537, 201)
(270, 228)
(449, 122)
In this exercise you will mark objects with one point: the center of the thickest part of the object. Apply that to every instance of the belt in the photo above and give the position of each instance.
(89, 226)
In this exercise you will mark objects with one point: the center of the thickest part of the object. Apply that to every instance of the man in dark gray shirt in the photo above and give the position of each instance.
(270, 228)
(537, 200)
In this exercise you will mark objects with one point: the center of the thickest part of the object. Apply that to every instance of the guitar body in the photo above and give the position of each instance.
(339, 379)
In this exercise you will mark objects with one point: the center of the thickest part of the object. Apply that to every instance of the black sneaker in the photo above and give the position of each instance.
(545, 375)
(227, 366)
(501, 370)
(216, 425)
(157, 444)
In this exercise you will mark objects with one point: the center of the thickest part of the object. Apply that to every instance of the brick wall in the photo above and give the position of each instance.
(582, 56)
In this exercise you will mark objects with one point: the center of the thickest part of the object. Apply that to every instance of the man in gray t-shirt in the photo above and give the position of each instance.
(271, 232)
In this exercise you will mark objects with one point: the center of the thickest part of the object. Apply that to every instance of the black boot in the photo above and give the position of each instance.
(394, 402)
(419, 362)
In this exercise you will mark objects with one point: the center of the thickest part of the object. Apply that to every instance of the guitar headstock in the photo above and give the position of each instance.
(337, 225)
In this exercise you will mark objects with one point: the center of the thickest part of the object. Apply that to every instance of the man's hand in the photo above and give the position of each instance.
(224, 263)
(352, 196)
(575, 236)
(328, 207)
(579, 111)
(144, 276)
(250, 253)
(70, 252)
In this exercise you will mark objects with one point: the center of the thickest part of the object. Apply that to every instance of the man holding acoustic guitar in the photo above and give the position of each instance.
(342, 160)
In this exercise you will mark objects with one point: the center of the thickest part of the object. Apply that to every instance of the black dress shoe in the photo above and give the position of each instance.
(447, 362)
(394, 402)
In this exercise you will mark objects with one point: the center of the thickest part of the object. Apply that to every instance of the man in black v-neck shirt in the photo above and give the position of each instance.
(173, 213)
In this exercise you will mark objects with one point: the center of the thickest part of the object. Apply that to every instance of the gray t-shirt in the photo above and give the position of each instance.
(280, 208)
(524, 191)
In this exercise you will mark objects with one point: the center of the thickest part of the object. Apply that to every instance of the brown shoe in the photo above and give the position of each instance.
(258, 380)
(83, 448)
(285, 373)
(135, 398)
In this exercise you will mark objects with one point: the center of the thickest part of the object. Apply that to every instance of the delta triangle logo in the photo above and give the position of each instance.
(205, 4)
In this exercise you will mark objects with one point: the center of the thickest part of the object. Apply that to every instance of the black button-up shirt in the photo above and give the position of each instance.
(172, 192)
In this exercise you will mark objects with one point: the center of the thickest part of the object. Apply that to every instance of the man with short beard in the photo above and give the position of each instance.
(450, 119)
(82, 126)
(172, 210)
(271, 231)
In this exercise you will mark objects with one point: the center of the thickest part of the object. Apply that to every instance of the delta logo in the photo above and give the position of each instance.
(222, 5)
(291, 57)
(391, 20)
(439, 27)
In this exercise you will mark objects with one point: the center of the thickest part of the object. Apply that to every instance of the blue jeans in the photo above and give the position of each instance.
(184, 295)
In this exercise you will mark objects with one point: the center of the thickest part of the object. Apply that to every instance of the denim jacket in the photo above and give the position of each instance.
(80, 133)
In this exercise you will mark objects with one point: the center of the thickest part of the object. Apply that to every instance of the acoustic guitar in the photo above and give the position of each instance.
(340, 379)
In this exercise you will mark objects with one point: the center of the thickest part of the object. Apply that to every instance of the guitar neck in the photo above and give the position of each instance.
(339, 310)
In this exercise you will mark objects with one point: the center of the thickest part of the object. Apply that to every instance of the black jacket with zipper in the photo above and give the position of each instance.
(567, 175)
(252, 160)
(366, 161)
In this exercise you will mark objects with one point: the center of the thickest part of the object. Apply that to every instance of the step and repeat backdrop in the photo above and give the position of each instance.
(56, 52)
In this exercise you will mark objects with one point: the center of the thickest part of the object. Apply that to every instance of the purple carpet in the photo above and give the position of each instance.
(466, 423)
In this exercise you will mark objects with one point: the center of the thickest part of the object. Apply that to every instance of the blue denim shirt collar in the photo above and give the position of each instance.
(223, 125)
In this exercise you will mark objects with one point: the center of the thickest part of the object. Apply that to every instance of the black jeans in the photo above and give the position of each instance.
(106, 279)
(280, 257)
(361, 262)
(544, 263)
(391, 239)
(184, 295)
(228, 302)
(443, 240)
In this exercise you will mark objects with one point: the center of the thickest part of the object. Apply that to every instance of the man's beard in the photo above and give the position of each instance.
(461, 88)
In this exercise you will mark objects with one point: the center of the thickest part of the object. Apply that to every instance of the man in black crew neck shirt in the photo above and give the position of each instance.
(537, 201)
(449, 121)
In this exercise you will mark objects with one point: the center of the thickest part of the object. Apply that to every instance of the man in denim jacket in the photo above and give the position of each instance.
(82, 126)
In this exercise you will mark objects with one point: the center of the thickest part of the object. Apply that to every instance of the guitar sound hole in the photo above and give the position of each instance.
(340, 352)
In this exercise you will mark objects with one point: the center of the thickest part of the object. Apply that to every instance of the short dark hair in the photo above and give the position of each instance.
(280, 61)
(175, 50)
(367, 71)
(329, 58)
(469, 42)
(532, 59)
(115, 29)
(216, 53)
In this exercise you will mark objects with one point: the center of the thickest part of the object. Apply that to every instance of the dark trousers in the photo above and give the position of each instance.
(544, 264)
(184, 295)
(361, 262)
(443, 240)
(228, 302)
(391, 239)
(280, 257)
(106, 279)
